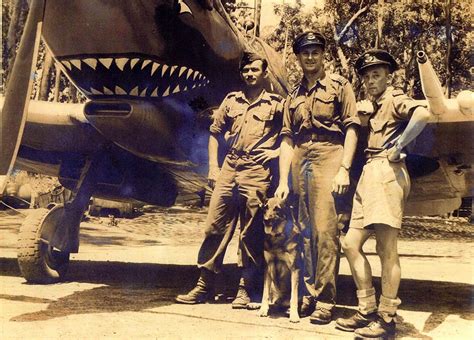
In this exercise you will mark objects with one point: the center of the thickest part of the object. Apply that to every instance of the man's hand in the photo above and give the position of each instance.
(341, 182)
(395, 154)
(365, 107)
(265, 155)
(212, 176)
(282, 191)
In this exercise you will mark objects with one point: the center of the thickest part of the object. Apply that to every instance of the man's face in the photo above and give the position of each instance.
(311, 58)
(376, 80)
(253, 74)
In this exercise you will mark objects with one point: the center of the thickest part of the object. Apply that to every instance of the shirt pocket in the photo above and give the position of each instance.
(301, 116)
(262, 122)
(377, 132)
(323, 107)
(235, 120)
(377, 126)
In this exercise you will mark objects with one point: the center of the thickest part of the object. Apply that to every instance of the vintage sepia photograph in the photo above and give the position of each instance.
(236, 169)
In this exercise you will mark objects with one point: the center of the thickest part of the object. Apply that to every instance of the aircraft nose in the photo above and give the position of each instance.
(155, 50)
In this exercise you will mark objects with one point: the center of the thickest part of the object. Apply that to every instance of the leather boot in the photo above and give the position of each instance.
(242, 299)
(201, 292)
(378, 329)
(358, 320)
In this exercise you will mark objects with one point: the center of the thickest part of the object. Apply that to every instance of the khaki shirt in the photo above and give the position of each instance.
(328, 106)
(393, 111)
(247, 126)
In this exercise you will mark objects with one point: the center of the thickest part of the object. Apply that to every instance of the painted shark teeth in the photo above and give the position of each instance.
(133, 62)
(120, 62)
(146, 62)
(134, 91)
(163, 70)
(154, 68)
(173, 78)
(106, 62)
(76, 63)
(66, 64)
(92, 62)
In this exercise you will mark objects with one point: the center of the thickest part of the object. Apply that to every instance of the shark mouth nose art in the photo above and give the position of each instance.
(131, 76)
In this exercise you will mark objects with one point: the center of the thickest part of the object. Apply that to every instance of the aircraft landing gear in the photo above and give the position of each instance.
(48, 236)
(40, 262)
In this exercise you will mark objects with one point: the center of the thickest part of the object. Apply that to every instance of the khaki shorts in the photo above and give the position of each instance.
(381, 194)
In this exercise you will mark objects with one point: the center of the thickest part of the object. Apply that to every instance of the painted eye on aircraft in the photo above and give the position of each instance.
(183, 8)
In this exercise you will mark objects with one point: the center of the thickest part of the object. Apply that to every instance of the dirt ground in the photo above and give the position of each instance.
(123, 282)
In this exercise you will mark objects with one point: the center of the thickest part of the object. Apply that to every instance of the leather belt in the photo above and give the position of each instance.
(239, 153)
(335, 138)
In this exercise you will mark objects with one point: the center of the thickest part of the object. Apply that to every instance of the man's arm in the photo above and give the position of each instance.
(351, 121)
(342, 180)
(286, 156)
(213, 147)
(416, 124)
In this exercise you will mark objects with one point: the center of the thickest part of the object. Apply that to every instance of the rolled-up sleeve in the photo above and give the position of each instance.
(404, 106)
(287, 126)
(219, 119)
(349, 115)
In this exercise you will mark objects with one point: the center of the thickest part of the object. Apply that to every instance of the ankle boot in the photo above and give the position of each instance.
(201, 292)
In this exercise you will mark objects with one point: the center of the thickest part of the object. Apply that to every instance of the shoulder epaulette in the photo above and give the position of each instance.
(338, 78)
(275, 96)
(231, 94)
(397, 92)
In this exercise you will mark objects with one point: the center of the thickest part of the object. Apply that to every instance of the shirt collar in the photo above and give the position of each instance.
(384, 95)
(321, 82)
(264, 95)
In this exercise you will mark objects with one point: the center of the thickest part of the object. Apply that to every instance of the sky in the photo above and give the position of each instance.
(269, 19)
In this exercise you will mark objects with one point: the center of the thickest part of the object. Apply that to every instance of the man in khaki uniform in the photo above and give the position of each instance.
(395, 120)
(250, 122)
(319, 131)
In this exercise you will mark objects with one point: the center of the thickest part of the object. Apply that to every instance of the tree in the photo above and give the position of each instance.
(401, 27)
(13, 18)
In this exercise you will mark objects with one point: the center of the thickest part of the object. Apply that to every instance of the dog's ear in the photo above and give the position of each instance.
(262, 198)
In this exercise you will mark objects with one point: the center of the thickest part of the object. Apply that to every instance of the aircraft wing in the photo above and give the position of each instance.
(52, 129)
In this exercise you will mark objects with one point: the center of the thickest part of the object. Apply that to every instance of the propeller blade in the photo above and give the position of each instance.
(17, 95)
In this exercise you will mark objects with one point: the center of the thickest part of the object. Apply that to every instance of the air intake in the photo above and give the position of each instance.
(110, 109)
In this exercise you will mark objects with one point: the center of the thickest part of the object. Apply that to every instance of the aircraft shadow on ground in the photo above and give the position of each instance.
(138, 287)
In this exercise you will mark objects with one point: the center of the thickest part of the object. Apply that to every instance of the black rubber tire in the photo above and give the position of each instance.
(38, 262)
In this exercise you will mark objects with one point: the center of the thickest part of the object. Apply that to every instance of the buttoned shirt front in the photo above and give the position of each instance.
(393, 110)
(328, 106)
(246, 125)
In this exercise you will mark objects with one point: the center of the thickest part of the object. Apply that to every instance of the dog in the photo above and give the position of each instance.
(282, 253)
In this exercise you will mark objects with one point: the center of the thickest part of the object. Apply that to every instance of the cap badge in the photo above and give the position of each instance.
(370, 58)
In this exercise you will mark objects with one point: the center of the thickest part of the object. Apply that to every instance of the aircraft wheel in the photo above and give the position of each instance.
(38, 261)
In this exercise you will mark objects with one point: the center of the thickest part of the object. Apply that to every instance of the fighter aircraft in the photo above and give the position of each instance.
(149, 69)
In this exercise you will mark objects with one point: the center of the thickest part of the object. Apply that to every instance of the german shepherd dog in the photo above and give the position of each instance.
(282, 252)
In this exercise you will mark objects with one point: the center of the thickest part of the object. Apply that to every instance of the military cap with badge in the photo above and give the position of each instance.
(375, 57)
(309, 38)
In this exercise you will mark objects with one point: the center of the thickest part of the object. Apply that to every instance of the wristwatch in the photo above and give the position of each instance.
(398, 146)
